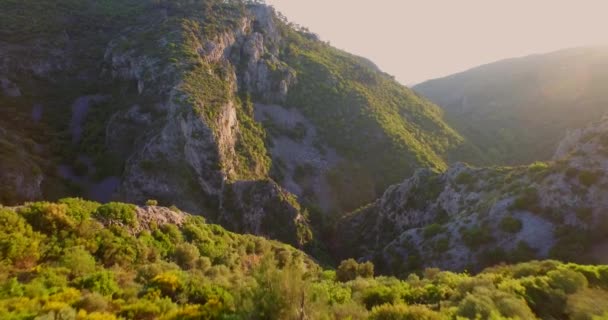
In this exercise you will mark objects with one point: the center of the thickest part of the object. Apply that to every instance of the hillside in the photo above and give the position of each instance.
(517, 110)
(467, 218)
(77, 259)
(222, 108)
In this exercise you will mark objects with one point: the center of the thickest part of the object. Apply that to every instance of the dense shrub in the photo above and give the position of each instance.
(510, 224)
(380, 295)
(476, 236)
(465, 178)
(538, 166)
(106, 271)
(49, 218)
(101, 282)
(527, 200)
(588, 178)
(117, 212)
(186, 255)
(350, 270)
(432, 230)
(403, 312)
(79, 209)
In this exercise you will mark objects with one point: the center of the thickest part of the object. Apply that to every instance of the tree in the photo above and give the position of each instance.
(186, 255)
(347, 270)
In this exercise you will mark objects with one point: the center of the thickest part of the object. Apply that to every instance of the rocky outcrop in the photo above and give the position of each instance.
(302, 162)
(184, 150)
(149, 217)
(471, 217)
(20, 173)
(264, 208)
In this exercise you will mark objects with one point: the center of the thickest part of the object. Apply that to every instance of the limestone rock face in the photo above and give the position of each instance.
(181, 152)
(20, 174)
(264, 208)
(470, 217)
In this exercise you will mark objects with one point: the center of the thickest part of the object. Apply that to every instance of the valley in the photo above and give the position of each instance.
(210, 159)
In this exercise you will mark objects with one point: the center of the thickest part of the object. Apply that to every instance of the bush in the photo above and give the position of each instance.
(380, 295)
(93, 302)
(78, 208)
(465, 178)
(49, 218)
(528, 200)
(476, 236)
(101, 282)
(151, 202)
(432, 230)
(79, 261)
(510, 224)
(475, 306)
(441, 244)
(588, 178)
(19, 244)
(366, 269)
(168, 283)
(538, 166)
(118, 212)
(349, 270)
(567, 280)
(403, 312)
(186, 255)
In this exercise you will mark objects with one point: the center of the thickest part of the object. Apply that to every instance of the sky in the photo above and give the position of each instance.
(417, 40)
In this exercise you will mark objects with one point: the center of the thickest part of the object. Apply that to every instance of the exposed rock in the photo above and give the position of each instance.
(263, 208)
(455, 219)
(20, 174)
(149, 216)
(304, 160)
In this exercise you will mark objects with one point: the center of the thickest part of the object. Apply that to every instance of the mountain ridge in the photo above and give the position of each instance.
(517, 109)
(158, 100)
(468, 218)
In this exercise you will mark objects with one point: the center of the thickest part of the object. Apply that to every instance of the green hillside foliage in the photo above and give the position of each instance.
(517, 110)
(357, 109)
(60, 262)
(361, 111)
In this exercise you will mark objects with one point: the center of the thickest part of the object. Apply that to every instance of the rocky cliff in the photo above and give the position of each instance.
(468, 218)
(203, 103)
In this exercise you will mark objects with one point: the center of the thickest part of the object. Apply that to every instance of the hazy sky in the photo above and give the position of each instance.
(416, 40)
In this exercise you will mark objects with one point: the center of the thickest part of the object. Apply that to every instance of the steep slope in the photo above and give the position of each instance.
(78, 259)
(517, 109)
(201, 104)
(468, 218)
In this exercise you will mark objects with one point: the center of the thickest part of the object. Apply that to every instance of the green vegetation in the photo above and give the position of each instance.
(588, 178)
(527, 200)
(117, 212)
(360, 111)
(510, 224)
(517, 110)
(349, 270)
(58, 266)
(432, 230)
(465, 178)
(538, 166)
(476, 236)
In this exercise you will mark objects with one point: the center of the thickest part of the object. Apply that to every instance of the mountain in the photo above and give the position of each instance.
(467, 218)
(222, 108)
(516, 110)
(77, 259)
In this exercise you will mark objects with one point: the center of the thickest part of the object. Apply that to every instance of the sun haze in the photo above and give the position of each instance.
(417, 40)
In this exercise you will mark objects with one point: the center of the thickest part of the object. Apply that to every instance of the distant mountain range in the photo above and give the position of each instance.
(517, 110)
